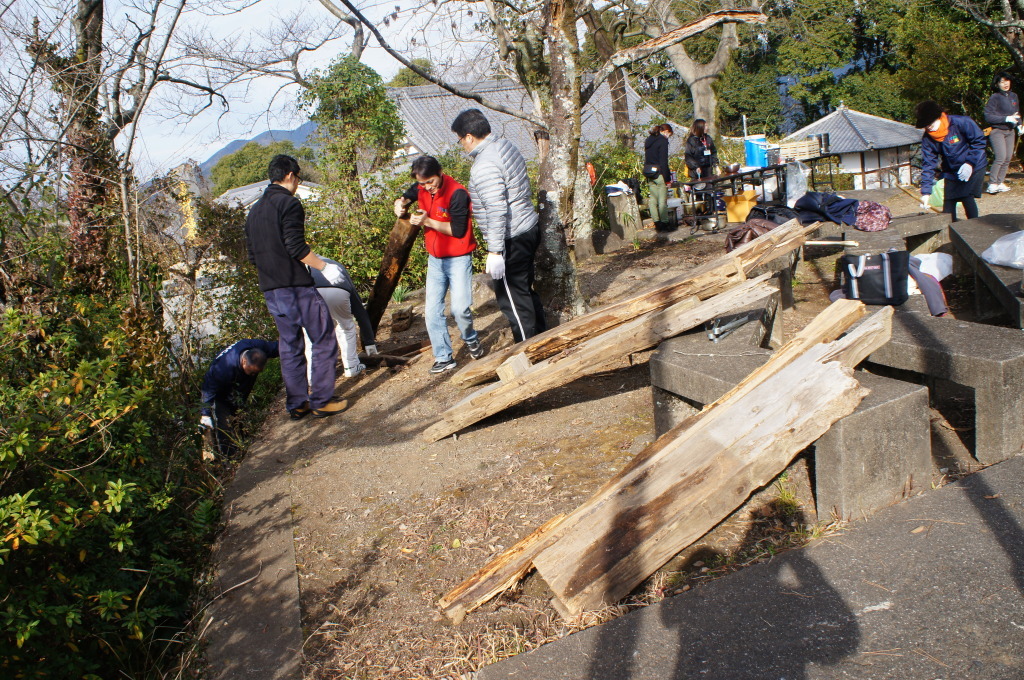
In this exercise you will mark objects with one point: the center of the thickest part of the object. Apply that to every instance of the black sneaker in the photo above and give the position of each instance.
(476, 350)
(442, 366)
(300, 412)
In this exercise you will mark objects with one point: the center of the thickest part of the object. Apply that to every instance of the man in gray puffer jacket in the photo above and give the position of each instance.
(499, 190)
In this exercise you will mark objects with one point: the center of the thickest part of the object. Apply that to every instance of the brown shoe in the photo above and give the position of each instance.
(330, 408)
(300, 412)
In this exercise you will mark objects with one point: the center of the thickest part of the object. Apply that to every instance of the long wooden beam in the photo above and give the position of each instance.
(703, 281)
(703, 472)
(601, 353)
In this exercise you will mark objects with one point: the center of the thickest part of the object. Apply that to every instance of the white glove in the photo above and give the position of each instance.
(334, 274)
(206, 422)
(1015, 118)
(495, 265)
(924, 202)
(371, 349)
(399, 207)
(964, 173)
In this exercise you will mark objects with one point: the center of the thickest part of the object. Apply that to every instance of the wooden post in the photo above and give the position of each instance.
(396, 254)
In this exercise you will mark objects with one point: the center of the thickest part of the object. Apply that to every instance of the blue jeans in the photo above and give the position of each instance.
(444, 273)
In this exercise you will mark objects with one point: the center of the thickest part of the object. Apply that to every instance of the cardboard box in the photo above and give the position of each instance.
(738, 207)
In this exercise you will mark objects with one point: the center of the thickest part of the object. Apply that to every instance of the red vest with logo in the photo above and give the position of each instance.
(438, 244)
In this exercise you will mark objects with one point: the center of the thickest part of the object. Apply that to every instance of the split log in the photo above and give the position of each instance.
(498, 575)
(733, 453)
(602, 353)
(699, 474)
(704, 281)
(396, 254)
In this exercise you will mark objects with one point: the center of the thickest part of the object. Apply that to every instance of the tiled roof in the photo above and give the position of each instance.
(428, 112)
(851, 131)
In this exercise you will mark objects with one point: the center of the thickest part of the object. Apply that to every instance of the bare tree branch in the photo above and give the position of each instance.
(655, 45)
(440, 82)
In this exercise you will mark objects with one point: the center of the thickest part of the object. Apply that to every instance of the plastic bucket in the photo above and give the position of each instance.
(756, 149)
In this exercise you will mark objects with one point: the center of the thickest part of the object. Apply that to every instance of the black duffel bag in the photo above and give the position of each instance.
(876, 279)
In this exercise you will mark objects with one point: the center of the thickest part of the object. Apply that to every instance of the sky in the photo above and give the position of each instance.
(164, 143)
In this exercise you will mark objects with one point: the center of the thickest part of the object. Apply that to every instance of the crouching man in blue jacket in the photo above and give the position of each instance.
(226, 387)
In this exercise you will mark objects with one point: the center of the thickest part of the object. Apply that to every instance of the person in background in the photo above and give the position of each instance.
(343, 302)
(659, 177)
(701, 156)
(1002, 112)
(448, 236)
(275, 238)
(952, 147)
(227, 385)
(502, 204)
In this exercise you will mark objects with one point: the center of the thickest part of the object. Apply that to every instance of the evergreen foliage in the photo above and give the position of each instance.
(248, 165)
(107, 512)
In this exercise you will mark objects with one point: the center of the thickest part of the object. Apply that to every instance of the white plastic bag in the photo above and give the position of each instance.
(796, 181)
(937, 265)
(1007, 251)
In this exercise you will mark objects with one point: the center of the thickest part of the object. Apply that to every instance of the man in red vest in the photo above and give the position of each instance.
(448, 236)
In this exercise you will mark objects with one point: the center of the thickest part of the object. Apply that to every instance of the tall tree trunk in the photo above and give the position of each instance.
(616, 81)
(558, 283)
(91, 159)
(700, 78)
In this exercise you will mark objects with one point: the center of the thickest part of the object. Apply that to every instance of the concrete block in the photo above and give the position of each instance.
(872, 458)
(877, 455)
(971, 238)
(871, 242)
(989, 359)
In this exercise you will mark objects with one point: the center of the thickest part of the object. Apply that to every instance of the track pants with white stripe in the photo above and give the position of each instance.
(516, 297)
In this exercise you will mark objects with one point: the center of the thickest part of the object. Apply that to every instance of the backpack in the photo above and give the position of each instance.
(876, 279)
(779, 214)
(872, 216)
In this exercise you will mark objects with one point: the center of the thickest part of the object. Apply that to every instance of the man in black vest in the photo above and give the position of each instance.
(275, 236)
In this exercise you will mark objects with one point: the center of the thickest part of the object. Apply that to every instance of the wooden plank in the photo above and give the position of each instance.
(704, 281)
(694, 476)
(515, 365)
(826, 326)
(498, 575)
(396, 254)
(601, 353)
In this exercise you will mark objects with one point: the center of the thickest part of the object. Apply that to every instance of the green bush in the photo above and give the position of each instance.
(107, 513)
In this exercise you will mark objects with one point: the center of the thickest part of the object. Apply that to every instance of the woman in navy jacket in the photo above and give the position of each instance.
(1002, 113)
(952, 147)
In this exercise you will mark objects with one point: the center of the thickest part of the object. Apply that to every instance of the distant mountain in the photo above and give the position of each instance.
(297, 137)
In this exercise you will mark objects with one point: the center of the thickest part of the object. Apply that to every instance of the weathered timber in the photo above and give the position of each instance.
(826, 327)
(703, 281)
(396, 254)
(696, 475)
(498, 575)
(601, 353)
(515, 365)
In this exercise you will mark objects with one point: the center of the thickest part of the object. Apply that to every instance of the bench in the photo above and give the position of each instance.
(1003, 284)
(916, 233)
(868, 460)
(988, 359)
